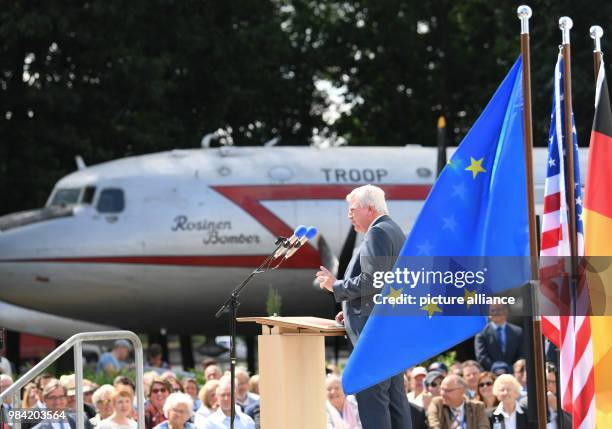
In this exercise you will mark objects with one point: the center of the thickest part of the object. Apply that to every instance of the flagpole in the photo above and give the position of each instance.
(565, 25)
(596, 33)
(524, 13)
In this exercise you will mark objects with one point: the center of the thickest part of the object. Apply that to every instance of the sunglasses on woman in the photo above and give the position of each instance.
(485, 383)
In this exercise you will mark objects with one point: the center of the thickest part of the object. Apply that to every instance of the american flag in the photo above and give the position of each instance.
(568, 329)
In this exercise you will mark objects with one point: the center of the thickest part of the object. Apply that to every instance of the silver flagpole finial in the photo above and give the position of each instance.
(565, 24)
(524, 13)
(596, 34)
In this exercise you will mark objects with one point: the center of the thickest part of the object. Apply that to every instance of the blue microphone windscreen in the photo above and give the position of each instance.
(311, 232)
(300, 231)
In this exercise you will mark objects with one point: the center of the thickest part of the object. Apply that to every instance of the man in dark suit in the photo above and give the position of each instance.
(385, 405)
(499, 340)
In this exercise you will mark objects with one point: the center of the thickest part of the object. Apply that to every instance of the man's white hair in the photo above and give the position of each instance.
(177, 398)
(369, 195)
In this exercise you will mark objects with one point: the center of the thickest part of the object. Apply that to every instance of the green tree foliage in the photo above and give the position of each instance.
(107, 79)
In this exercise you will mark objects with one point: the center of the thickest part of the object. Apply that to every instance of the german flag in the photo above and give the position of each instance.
(598, 244)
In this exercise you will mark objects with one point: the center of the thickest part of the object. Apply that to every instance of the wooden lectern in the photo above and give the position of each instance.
(292, 370)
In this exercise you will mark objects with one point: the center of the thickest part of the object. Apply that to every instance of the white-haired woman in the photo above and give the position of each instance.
(178, 409)
(508, 414)
(341, 409)
(103, 401)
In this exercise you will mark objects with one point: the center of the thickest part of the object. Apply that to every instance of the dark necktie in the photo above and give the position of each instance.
(500, 338)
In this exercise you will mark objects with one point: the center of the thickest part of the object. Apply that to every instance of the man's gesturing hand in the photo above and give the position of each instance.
(325, 278)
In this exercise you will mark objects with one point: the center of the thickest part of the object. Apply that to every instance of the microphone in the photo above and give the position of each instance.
(299, 232)
(311, 232)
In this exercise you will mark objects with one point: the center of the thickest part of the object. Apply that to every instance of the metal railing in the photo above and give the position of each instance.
(76, 341)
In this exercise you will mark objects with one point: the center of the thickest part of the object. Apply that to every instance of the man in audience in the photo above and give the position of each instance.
(500, 367)
(54, 397)
(433, 379)
(551, 398)
(155, 357)
(5, 381)
(471, 372)
(499, 340)
(457, 368)
(41, 382)
(244, 398)
(112, 362)
(454, 410)
(220, 419)
(519, 369)
(438, 366)
(212, 372)
(418, 374)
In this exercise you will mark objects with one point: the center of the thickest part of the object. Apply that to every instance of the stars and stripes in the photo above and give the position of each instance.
(560, 322)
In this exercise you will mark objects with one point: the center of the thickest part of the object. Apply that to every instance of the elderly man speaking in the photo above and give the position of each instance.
(383, 406)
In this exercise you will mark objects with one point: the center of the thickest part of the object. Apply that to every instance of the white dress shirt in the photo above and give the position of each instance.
(218, 420)
(509, 419)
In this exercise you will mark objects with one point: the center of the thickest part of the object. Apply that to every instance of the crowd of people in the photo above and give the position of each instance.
(170, 403)
(463, 394)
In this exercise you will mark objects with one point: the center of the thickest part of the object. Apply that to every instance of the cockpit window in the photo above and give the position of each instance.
(111, 200)
(88, 195)
(64, 197)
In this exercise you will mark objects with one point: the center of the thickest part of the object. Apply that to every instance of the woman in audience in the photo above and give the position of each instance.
(122, 412)
(208, 396)
(254, 384)
(170, 377)
(30, 396)
(341, 409)
(485, 390)
(158, 393)
(190, 387)
(103, 401)
(178, 409)
(508, 414)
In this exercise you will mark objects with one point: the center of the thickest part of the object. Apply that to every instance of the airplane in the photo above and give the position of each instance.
(157, 242)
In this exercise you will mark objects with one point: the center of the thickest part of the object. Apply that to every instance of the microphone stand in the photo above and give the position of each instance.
(231, 306)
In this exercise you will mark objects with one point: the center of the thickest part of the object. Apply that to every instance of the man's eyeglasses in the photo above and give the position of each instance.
(434, 384)
(161, 390)
(443, 390)
(55, 398)
(485, 383)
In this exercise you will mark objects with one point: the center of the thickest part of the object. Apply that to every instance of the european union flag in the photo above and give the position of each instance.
(477, 209)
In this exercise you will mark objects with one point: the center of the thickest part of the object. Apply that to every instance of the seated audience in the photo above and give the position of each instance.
(244, 398)
(418, 374)
(208, 397)
(471, 372)
(509, 413)
(220, 419)
(154, 411)
(341, 409)
(454, 410)
(122, 412)
(484, 393)
(103, 402)
(178, 410)
(30, 396)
